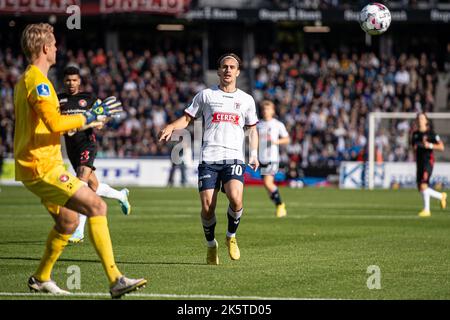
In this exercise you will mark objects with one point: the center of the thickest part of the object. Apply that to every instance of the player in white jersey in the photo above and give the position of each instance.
(226, 111)
(272, 133)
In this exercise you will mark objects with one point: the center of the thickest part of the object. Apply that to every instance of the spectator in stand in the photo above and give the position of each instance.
(327, 98)
(323, 97)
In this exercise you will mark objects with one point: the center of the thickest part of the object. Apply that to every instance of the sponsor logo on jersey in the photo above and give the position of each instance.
(82, 103)
(73, 111)
(43, 90)
(215, 104)
(64, 178)
(225, 117)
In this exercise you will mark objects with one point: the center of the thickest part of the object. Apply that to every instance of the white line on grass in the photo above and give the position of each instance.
(156, 295)
(353, 216)
(151, 216)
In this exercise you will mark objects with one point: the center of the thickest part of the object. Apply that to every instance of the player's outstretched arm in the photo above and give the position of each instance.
(54, 121)
(180, 123)
(283, 141)
(253, 141)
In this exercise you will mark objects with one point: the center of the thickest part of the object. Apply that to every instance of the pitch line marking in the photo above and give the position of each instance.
(155, 295)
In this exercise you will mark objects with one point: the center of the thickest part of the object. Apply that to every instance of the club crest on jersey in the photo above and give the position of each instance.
(82, 103)
(237, 105)
(64, 178)
(43, 90)
(225, 117)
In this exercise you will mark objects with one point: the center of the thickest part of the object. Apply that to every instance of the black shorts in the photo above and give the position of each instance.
(423, 173)
(83, 155)
(215, 175)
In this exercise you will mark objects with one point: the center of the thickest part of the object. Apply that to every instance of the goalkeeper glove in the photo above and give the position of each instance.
(102, 110)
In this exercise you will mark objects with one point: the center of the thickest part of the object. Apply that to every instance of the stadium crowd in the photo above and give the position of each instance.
(154, 88)
(323, 98)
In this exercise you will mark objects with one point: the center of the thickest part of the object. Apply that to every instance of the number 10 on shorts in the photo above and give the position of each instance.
(236, 170)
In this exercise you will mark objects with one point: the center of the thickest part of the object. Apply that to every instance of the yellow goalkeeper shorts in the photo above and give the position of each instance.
(55, 188)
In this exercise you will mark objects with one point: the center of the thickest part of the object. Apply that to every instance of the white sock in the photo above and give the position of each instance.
(235, 214)
(211, 244)
(434, 193)
(82, 223)
(426, 200)
(106, 191)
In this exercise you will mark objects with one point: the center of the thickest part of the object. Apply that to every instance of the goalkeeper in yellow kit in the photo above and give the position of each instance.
(39, 164)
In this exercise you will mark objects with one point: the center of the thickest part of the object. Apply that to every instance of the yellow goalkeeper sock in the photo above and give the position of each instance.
(99, 232)
(56, 242)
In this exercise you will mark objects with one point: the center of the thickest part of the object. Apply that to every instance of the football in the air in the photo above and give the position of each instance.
(375, 18)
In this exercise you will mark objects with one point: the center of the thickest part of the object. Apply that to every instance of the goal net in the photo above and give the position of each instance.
(391, 161)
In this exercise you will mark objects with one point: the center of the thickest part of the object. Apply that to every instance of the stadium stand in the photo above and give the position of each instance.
(322, 97)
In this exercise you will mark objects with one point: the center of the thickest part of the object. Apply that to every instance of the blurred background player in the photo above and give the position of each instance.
(82, 147)
(225, 111)
(39, 163)
(272, 133)
(424, 141)
(183, 158)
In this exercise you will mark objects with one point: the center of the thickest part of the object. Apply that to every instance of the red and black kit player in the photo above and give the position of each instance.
(425, 141)
(81, 146)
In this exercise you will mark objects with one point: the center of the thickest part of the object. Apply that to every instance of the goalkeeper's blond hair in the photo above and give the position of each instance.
(34, 37)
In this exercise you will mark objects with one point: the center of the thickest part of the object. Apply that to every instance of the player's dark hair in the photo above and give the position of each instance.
(429, 123)
(229, 55)
(71, 70)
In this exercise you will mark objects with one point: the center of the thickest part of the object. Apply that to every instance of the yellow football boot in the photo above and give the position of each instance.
(425, 213)
(233, 249)
(444, 200)
(281, 211)
(212, 255)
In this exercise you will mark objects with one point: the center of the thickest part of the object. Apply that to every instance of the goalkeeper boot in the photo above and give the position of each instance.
(425, 213)
(45, 286)
(233, 249)
(212, 254)
(444, 200)
(77, 237)
(124, 285)
(281, 211)
(125, 204)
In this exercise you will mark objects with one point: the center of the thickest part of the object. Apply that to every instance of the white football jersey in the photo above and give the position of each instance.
(224, 116)
(269, 131)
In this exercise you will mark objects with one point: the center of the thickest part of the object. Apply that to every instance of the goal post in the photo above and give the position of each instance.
(373, 117)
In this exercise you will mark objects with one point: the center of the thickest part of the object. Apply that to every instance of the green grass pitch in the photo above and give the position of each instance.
(322, 249)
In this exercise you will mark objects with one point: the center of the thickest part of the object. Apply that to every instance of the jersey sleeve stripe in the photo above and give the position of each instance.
(189, 114)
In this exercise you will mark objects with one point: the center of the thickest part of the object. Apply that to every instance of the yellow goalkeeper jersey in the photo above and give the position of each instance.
(37, 147)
